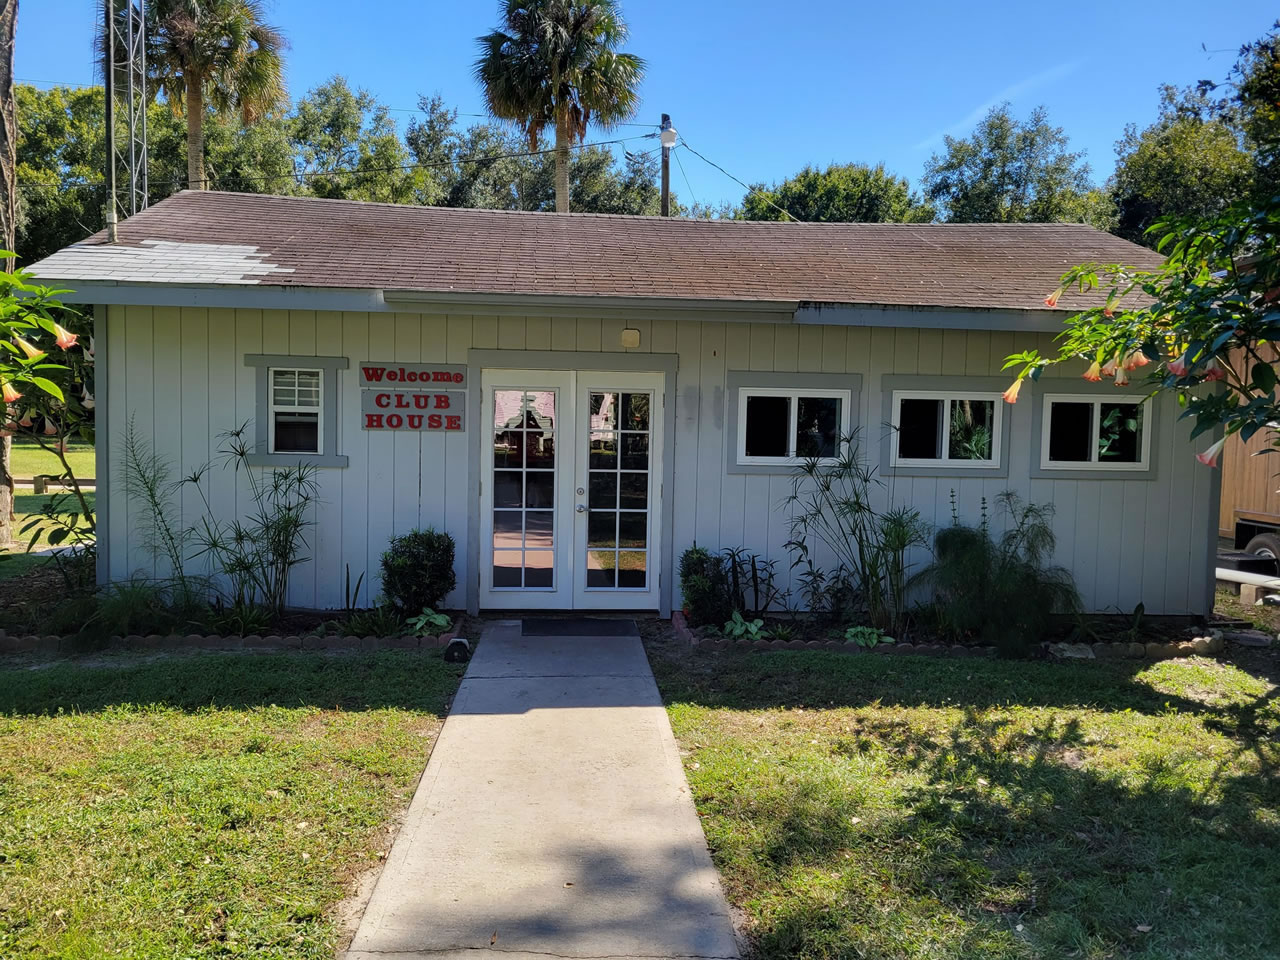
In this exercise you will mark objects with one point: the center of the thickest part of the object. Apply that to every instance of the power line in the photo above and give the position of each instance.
(337, 173)
(747, 187)
(680, 164)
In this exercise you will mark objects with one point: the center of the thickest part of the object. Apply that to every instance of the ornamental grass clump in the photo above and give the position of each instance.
(1002, 590)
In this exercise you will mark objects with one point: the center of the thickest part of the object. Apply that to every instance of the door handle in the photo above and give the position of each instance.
(581, 508)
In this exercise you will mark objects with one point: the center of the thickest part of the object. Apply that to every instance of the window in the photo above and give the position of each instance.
(295, 411)
(932, 428)
(1095, 434)
(778, 425)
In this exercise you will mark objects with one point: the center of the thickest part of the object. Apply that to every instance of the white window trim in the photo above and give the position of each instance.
(1095, 420)
(794, 394)
(273, 408)
(997, 431)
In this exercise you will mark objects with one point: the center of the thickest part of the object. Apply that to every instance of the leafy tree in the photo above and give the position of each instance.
(1010, 171)
(348, 148)
(556, 63)
(843, 193)
(522, 182)
(1249, 101)
(1207, 315)
(8, 216)
(1186, 164)
(214, 53)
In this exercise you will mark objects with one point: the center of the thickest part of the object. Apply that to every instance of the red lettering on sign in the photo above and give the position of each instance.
(434, 421)
(373, 374)
(442, 401)
(453, 422)
(441, 376)
(402, 402)
(422, 401)
(415, 421)
(457, 377)
(382, 399)
(373, 421)
(395, 421)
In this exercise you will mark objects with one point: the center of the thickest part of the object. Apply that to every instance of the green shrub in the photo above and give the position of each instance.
(381, 621)
(704, 584)
(1000, 591)
(417, 571)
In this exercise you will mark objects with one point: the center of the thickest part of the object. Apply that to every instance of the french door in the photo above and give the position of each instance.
(570, 490)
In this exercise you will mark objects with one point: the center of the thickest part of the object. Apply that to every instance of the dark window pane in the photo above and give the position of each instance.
(768, 419)
(507, 488)
(540, 449)
(506, 568)
(631, 570)
(507, 449)
(506, 529)
(919, 429)
(539, 568)
(972, 423)
(1120, 433)
(635, 411)
(1070, 432)
(635, 451)
(632, 529)
(297, 433)
(603, 491)
(602, 528)
(604, 451)
(604, 411)
(635, 491)
(539, 489)
(601, 566)
(538, 528)
(817, 426)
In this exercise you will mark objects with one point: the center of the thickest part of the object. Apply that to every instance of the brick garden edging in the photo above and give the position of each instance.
(55, 644)
(1211, 644)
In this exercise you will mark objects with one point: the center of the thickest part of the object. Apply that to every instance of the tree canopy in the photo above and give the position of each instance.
(1014, 171)
(844, 192)
(334, 142)
(1187, 164)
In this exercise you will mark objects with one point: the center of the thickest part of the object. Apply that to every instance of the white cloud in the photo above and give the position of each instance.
(1008, 93)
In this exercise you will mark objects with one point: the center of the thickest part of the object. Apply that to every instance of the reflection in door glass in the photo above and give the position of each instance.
(618, 490)
(524, 489)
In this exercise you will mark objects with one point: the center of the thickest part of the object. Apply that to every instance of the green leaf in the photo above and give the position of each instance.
(1264, 377)
(49, 387)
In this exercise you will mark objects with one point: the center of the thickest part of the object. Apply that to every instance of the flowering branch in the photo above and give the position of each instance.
(1209, 315)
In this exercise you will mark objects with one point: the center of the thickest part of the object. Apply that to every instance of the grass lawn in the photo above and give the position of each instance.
(29, 459)
(898, 806)
(203, 806)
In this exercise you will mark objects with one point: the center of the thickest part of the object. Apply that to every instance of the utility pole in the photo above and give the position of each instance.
(668, 140)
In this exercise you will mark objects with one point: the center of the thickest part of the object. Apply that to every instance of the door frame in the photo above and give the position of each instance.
(666, 364)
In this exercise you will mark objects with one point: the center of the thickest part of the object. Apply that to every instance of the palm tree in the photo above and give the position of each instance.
(218, 53)
(555, 63)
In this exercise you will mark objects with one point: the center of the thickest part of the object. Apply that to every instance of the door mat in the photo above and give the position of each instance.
(578, 627)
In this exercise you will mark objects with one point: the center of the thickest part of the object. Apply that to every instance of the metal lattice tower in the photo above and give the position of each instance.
(127, 88)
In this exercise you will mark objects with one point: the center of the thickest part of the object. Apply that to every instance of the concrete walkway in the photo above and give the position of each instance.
(553, 819)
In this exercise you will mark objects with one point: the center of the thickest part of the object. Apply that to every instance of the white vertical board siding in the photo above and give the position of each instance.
(179, 375)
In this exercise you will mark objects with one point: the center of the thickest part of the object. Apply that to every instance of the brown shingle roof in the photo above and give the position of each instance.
(211, 237)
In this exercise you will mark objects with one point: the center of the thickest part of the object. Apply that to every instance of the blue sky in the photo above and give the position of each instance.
(764, 88)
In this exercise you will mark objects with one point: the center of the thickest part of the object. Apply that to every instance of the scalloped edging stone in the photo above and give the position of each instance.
(274, 642)
(1210, 644)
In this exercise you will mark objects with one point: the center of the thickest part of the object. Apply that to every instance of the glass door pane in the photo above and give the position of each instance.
(619, 488)
(524, 488)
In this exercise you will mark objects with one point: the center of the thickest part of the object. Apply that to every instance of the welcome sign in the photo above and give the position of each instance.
(412, 396)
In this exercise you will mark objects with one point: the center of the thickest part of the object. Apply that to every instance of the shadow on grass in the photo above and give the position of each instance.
(235, 680)
(1005, 836)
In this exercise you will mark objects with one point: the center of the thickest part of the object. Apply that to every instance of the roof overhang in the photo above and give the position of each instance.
(279, 297)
